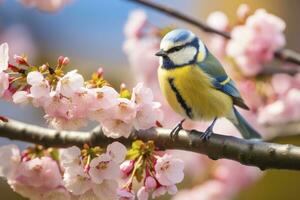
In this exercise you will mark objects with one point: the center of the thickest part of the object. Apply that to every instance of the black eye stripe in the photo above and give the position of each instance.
(194, 43)
(175, 49)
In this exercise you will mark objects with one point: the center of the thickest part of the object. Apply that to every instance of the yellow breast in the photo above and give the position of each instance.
(190, 93)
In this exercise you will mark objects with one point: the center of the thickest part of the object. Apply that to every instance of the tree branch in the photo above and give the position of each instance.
(248, 152)
(285, 55)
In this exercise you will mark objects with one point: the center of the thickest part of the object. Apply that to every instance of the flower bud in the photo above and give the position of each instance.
(21, 60)
(243, 12)
(126, 167)
(150, 183)
(100, 71)
(62, 61)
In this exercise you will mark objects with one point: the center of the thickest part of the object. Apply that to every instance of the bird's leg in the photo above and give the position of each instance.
(207, 133)
(176, 129)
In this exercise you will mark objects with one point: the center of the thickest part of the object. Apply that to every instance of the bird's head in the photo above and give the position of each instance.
(180, 47)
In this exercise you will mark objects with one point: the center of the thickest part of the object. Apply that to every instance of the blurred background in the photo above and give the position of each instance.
(91, 34)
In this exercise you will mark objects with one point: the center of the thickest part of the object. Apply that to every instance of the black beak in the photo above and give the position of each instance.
(161, 53)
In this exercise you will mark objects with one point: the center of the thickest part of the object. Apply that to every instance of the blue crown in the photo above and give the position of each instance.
(178, 35)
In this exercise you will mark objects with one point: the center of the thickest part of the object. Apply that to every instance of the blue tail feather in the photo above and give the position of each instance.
(246, 130)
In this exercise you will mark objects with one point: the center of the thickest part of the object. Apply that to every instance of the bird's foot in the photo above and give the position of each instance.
(175, 131)
(209, 131)
(206, 134)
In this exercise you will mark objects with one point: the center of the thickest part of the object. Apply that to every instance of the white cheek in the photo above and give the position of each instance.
(183, 56)
(160, 61)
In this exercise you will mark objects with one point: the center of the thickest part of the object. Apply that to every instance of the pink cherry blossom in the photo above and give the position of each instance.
(125, 194)
(107, 190)
(117, 152)
(171, 189)
(61, 123)
(210, 190)
(233, 183)
(254, 43)
(219, 21)
(281, 83)
(76, 180)
(169, 171)
(141, 94)
(125, 110)
(34, 78)
(57, 194)
(42, 89)
(4, 83)
(284, 106)
(142, 51)
(20, 97)
(105, 97)
(27, 191)
(143, 97)
(140, 46)
(120, 120)
(225, 184)
(280, 111)
(70, 83)
(10, 159)
(142, 194)
(3, 57)
(249, 93)
(69, 156)
(143, 120)
(34, 173)
(20, 40)
(103, 167)
(116, 128)
(135, 24)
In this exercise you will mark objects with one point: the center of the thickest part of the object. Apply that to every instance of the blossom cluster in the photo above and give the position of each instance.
(69, 173)
(159, 175)
(286, 104)
(254, 39)
(90, 173)
(69, 101)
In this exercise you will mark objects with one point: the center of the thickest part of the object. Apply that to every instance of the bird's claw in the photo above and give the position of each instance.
(206, 134)
(174, 133)
(209, 131)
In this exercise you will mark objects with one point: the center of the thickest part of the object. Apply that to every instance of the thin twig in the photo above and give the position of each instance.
(285, 55)
(248, 152)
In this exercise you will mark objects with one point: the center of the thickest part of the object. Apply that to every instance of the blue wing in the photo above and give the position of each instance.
(220, 79)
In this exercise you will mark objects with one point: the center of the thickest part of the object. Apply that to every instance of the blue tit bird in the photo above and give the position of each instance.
(195, 84)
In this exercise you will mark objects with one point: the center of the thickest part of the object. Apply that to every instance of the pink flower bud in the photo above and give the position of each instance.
(100, 71)
(150, 183)
(21, 60)
(126, 167)
(62, 61)
(243, 11)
